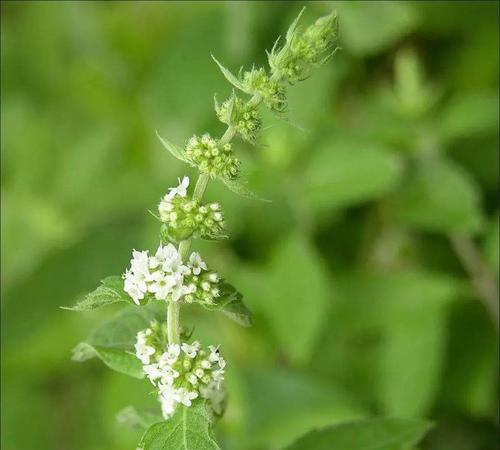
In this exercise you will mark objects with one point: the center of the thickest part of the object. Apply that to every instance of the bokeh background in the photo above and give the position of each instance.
(369, 274)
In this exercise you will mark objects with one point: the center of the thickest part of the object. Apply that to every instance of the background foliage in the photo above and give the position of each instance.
(362, 306)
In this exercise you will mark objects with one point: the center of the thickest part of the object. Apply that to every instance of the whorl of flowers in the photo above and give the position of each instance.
(181, 373)
(166, 277)
(184, 217)
(304, 51)
(242, 116)
(212, 158)
(271, 91)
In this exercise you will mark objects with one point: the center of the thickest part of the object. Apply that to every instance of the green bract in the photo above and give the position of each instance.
(241, 116)
(304, 51)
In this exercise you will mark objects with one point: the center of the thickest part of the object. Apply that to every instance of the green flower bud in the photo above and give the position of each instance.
(304, 51)
(273, 93)
(243, 117)
(212, 159)
(183, 217)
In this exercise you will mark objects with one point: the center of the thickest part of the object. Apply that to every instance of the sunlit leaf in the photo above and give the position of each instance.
(188, 429)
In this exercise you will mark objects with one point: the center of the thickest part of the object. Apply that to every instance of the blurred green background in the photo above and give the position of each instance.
(384, 181)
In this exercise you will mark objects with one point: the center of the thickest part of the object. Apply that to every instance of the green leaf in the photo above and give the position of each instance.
(470, 115)
(345, 172)
(188, 429)
(138, 418)
(414, 349)
(174, 149)
(240, 189)
(439, 196)
(110, 291)
(375, 434)
(230, 303)
(283, 404)
(295, 296)
(491, 245)
(113, 342)
(229, 76)
(369, 28)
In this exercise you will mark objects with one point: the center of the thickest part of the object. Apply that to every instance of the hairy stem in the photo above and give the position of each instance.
(481, 277)
(173, 309)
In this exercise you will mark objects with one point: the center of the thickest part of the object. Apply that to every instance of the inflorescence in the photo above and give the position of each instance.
(181, 373)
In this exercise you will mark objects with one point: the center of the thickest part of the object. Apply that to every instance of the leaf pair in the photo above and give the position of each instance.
(190, 428)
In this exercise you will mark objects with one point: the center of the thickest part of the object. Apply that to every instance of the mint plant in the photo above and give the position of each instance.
(188, 377)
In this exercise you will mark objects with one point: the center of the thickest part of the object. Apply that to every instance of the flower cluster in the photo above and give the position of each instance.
(212, 158)
(182, 373)
(185, 217)
(304, 51)
(166, 277)
(243, 117)
(272, 92)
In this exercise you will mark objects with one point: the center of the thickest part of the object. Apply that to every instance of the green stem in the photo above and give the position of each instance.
(173, 309)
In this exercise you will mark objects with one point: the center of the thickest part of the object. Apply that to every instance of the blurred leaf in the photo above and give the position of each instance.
(230, 303)
(113, 342)
(295, 295)
(138, 418)
(439, 196)
(345, 173)
(110, 291)
(240, 188)
(367, 28)
(416, 96)
(470, 115)
(413, 351)
(375, 434)
(282, 405)
(471, 386)
(188, 429)
(491, 245)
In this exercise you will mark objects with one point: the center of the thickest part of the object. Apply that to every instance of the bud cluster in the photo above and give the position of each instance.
(242, 116)
(272, 92)
(184, 217)
(182, 373)
(212, 158)
(166, 277)
(304, 51)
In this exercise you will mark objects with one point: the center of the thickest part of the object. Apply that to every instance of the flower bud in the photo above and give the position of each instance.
(200, 153)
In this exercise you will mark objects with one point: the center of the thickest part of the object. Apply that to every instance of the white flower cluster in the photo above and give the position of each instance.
(182, 373)
(163, 275)
(186, 217)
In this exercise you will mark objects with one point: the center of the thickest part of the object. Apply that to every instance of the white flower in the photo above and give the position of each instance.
(140, 261)
(153, 371)
(191, 350)
(184, 396)
(142, 350)
(196, 263)
(171, 355)
(167, 407)
(214, 354)
(161, 285)
(180, 190)
(131, 289)
(205, 364)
